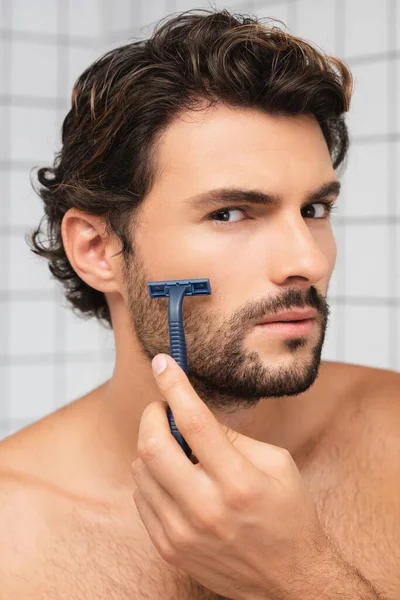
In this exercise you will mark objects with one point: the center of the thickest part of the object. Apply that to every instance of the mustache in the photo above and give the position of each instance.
(292, 300)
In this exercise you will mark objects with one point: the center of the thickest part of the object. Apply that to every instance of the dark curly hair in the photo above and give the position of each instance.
(124, 101)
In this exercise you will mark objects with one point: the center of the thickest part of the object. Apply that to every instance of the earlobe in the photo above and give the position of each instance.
(89, 248)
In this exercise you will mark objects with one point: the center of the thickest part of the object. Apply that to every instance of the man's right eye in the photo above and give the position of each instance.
(223, 211)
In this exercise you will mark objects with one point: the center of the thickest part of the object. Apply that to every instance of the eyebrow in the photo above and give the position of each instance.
(218, 196)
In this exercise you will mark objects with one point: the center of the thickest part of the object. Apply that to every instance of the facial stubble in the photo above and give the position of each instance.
(223, 371)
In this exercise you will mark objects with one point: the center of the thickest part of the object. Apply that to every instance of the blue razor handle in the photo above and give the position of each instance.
(176, 290)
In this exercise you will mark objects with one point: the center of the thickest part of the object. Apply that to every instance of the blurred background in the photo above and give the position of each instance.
(48, 355)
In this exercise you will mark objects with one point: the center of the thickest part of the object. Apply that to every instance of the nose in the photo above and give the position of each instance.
(298, 252)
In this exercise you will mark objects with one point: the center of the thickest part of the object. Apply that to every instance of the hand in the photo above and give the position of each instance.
(241, 521)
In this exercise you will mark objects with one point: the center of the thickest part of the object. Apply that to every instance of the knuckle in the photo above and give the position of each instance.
(140, 452)
(136, 466)
(147, 448)
(243, 495)
(208, 520)
(167, 551)
(284, 459)
(179, 536)
(197, 423)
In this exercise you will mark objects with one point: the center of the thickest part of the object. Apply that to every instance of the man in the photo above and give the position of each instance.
(143, 170)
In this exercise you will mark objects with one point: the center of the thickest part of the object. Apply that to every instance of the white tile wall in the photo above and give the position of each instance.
(4, 327)
(84, 18)
(122, 18)
(5, 76)
(311, 15)
(79, 58)
(335, 283)
(3, 62)
(150, 12)
(3, 264)
(396, 69)
(367, 267)
(44, 133)
(275, 10)
(365, 190)
(4, 208)
(36, 77)
(182, 5)
(4, 126)
(4, 398)
(27, 270)
(32, 328)
(49, 356)
(330, 347)
(32, 391)
(25, 206)
(366, 334)
(366, 26)
(396, 273)
(81, 379)
(2, 14)
(397, 24)
(368, 113)
(27, 17)
(81, 335)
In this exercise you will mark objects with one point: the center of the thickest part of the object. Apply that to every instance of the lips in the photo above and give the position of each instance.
(292, 315)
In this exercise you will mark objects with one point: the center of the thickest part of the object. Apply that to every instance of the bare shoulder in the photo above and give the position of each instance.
(28, 501)
(361, 499)
(21, 526)
(24, 505)
(369, 390)
(361, 377)
(367, 417)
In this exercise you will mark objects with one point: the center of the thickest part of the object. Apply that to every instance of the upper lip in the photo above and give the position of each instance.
(291, 315)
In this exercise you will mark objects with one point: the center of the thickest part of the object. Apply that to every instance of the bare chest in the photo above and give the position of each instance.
(86, 563)
(76, 560)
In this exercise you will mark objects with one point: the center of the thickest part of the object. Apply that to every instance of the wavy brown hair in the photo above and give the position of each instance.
(123, 102)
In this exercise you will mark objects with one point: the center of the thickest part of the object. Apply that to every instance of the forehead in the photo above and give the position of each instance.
(224, 145)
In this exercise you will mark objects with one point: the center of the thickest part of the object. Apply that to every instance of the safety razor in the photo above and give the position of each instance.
(175, 290)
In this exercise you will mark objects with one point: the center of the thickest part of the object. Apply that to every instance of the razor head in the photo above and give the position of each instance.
(194, 287)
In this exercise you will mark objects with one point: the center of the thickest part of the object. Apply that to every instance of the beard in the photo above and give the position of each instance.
(225, 374)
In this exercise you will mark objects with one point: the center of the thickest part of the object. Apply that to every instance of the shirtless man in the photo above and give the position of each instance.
(70, 528)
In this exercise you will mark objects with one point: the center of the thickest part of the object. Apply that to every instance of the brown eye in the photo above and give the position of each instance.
(223, 212)
(324, 214)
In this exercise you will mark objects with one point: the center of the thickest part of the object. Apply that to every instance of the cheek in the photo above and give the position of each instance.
(195, 255)
(173, 254)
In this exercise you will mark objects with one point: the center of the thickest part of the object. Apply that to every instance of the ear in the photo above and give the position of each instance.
(91, 251)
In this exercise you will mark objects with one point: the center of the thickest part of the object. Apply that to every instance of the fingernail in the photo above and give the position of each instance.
(158, 364)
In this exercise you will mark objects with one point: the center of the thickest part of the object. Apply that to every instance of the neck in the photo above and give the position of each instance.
(106, 421)
(288, 422)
